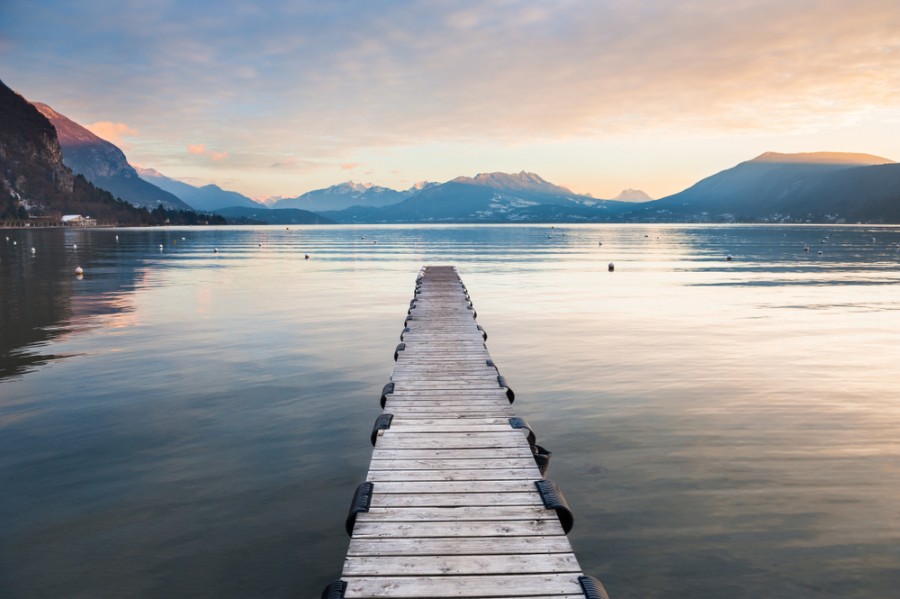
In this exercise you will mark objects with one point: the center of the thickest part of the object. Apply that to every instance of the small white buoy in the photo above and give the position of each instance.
(117, 238)
(15, 243)
(729, 258)
(160, 246)
(74, 246)
(611, 267)
(33, 251)
(306, 256)
(182, 239)
(79, 270)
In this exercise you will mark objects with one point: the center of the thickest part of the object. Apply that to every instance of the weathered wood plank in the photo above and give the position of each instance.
(446, 474)
(457, 513)
(462, 586)
(429, 565)
(476, 546)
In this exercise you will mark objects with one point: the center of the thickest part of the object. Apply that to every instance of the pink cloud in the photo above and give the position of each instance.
(112, 132)
(349, 166)
(202, 150)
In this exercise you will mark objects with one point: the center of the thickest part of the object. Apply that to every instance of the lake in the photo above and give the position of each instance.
(186, 422)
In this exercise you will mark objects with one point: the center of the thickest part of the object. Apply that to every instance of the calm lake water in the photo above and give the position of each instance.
(184, 423)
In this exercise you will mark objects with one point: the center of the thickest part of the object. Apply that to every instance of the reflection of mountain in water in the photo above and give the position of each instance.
(40, 297)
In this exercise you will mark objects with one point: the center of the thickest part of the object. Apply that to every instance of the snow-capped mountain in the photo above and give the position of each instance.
(343, 195)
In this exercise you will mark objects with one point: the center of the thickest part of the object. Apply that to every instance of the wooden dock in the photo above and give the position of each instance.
(455, 503)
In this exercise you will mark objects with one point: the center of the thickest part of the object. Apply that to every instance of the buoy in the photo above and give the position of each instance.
(79, 270)
(15, 243)
(306, 256)
(611, 267)
(215, 250)
(117, 238)
(820, 252)
(160, 246)
(74, 246)
(182, 239)
(33, 251)
(729, 258)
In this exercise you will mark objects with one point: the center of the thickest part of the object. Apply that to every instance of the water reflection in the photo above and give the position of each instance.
(721, 429)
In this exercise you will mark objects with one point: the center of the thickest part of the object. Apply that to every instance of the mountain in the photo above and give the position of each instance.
(34, 180)
(105, 165)
(524, 184)
(209, 198)
(343, 195)
(817, 186)
(264, 216)
(632, 195)
(489, 197)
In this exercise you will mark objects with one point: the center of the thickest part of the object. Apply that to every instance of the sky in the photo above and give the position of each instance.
(276, 99)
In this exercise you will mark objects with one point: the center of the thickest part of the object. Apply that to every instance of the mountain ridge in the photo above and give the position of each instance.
(104, 164)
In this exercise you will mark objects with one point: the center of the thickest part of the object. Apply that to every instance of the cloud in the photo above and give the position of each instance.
(201, 150)
(112, 132)
(349, 166)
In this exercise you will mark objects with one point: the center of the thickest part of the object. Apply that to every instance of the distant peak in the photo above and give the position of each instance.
(147, 171)
(521, 181)
(632, 195)
(822, 158)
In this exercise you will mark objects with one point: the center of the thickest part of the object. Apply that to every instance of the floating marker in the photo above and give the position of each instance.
(117, 238)
(74, 246)
(33, 251)
(79, 270)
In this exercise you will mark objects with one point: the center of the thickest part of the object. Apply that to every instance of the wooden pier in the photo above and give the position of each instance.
(455, 503)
